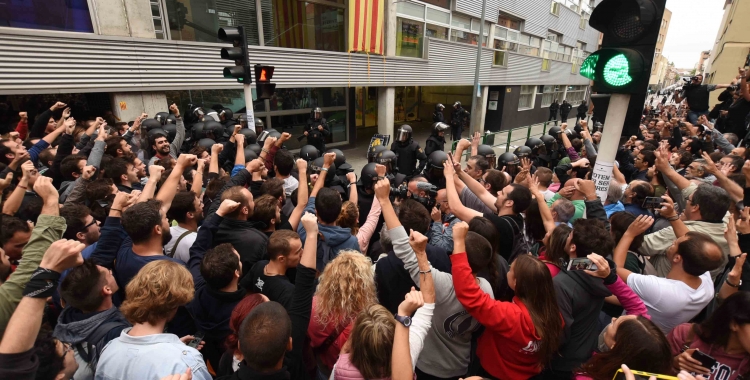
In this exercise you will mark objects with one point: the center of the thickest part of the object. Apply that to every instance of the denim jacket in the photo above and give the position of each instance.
(149, 357)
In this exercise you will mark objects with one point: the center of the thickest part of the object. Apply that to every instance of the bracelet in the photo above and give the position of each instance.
(23, 187)
(673, 218)
(114, 209)
(425, 271)
(324, 170)
(265, 150)
(733, 285)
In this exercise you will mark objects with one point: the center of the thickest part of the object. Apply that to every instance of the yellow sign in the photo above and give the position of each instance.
(123, 106)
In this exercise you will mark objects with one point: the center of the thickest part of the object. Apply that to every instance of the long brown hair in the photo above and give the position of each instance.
(534, 287)
(555, 250)
(372, 342)
(349, 217)
(640, 345)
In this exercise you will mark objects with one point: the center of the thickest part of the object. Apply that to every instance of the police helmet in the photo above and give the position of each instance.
(308, 153)
(456, 104)
(437, 159)
(250, 153)
(374, 152)
(522, 151)
(507, 159)
(161, 117)
(197, 130)
(227, 114)
(156, 132)
(268, 133)
(554, 131)
(387, 158)
(486, 151)
(340, 158)
(439, 107)
(550, 143)
(250, 137)
(255, 148)
(439, 127)
(150, 124)
(315, 111)
(367, 177)
(213, 126)
(404, 133)
(171, 119)
(206, 143)
(171, 130)
(316, 166)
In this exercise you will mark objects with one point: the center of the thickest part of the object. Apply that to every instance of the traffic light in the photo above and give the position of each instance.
(237, 53)
(263, 85)
(176, 14)
(630, 29)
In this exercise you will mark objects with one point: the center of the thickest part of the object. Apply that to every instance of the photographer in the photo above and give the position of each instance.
(697, 95)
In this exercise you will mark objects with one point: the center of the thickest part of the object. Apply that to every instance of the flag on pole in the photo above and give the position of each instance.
(366, 26)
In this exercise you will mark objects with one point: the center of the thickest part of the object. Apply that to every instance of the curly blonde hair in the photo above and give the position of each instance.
(347, 287)
(157, 291)
(349, 217)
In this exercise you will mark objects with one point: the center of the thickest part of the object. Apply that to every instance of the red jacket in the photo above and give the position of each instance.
(508, 348)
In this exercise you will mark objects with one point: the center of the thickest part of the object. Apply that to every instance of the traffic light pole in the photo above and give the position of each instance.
(605, 161)
(249, 106)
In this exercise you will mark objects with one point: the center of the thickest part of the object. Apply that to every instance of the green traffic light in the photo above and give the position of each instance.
(588, 67)
(616, 71)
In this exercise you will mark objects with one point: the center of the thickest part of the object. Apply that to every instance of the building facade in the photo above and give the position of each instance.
(133, 56)
(660, 67)
(732, 46)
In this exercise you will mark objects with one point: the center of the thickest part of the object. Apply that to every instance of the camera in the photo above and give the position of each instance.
(400, 192)
(429, 200)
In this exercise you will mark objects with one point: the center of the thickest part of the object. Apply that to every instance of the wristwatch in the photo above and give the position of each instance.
(406, 321)
(728, 283)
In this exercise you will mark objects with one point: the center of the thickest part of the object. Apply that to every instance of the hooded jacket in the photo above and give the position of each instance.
(338, 238)
(76, 327)
(580, 298)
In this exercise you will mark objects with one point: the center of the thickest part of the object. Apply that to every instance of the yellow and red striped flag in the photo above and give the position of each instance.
(366, 26)
(289, 20)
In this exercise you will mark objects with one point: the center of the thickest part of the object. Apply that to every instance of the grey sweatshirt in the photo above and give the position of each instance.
(449, 338)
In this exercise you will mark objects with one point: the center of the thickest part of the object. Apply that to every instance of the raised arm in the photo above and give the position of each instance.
(155, 172)
(628, 299)
(179, 138)
(733, 188)
(638, 227)
(302, 196)
(197, 186)
(169, 188)
(353, 196)
(213, 167)
(239, 156)
(478, 190)
(13, 203)
(663, 166)
(459, 210)
(547, 219)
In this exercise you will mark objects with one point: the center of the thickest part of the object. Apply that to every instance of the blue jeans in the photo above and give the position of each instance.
(692, 116)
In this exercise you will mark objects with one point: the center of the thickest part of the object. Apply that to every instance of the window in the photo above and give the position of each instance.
(461, 22)
(529, 45)
(438, 16)
(505, 45)
(65, 15)
(465, 37)
(462, 30)
(575, 95)
(409, 38)
(545, 64)
(526, 99)
(436, 31)
(584, 21)
(157, 14)
(186, 23)
(500, 58)
(410, 9)
(301, 25)
(508, 22)
(554, 37)
(548, 95)
(555, 9)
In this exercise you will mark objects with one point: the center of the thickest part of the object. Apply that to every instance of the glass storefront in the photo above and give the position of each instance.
(198, 20)
(409, 38)
(65, 15)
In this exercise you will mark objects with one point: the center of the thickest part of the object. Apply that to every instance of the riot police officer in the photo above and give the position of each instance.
(316, 130)
(551, 157)
(437, 116)
(487, 152)
(436, 141)
(434, 170)
(408, 152)
(308, 153)
(388, 159)
(538, 149)
(510, 162)
(459, 119)
(373, 152)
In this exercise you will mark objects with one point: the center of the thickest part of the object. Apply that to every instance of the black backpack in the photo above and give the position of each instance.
(521, 246)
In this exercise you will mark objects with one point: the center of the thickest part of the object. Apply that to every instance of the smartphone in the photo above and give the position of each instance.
(652, 202)
(640, 375)
(197, 339)
(706, 361)
(581, 263)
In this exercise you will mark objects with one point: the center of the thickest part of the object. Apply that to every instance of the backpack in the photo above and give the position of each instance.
(521, 246)
(87, 348)
(646, 267)
(324, 253)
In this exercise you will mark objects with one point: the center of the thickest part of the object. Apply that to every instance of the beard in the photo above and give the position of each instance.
(166, 236)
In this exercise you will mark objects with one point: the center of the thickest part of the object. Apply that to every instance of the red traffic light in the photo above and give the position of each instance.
(263, 73)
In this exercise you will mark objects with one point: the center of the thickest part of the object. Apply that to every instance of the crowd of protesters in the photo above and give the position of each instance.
(196, 246)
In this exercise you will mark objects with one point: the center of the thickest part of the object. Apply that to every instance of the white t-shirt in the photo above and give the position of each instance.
(671, 302)
(548, 194)
(182, 252)
(290, 184)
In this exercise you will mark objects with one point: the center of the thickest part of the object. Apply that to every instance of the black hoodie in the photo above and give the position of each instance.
(580, 298)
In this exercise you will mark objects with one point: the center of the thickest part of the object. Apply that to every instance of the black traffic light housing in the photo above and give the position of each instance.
(630, 30)
(237, 53)
(263, 85)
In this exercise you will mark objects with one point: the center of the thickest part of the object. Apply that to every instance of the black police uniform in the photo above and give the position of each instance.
(434, 143)
(565, 111)
(407, 155)
(459, 118)
(316, 137)
(553, 108)
(437, 117)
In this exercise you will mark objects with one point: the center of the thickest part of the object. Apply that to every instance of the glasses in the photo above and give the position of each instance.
(67, 347)
(86, 227)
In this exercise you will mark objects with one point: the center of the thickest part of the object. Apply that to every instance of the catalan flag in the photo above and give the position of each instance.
(366, 26)
(289, 20)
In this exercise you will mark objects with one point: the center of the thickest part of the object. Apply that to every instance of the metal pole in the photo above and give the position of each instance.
(618, 108)
(249, 106)
(477, 95)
